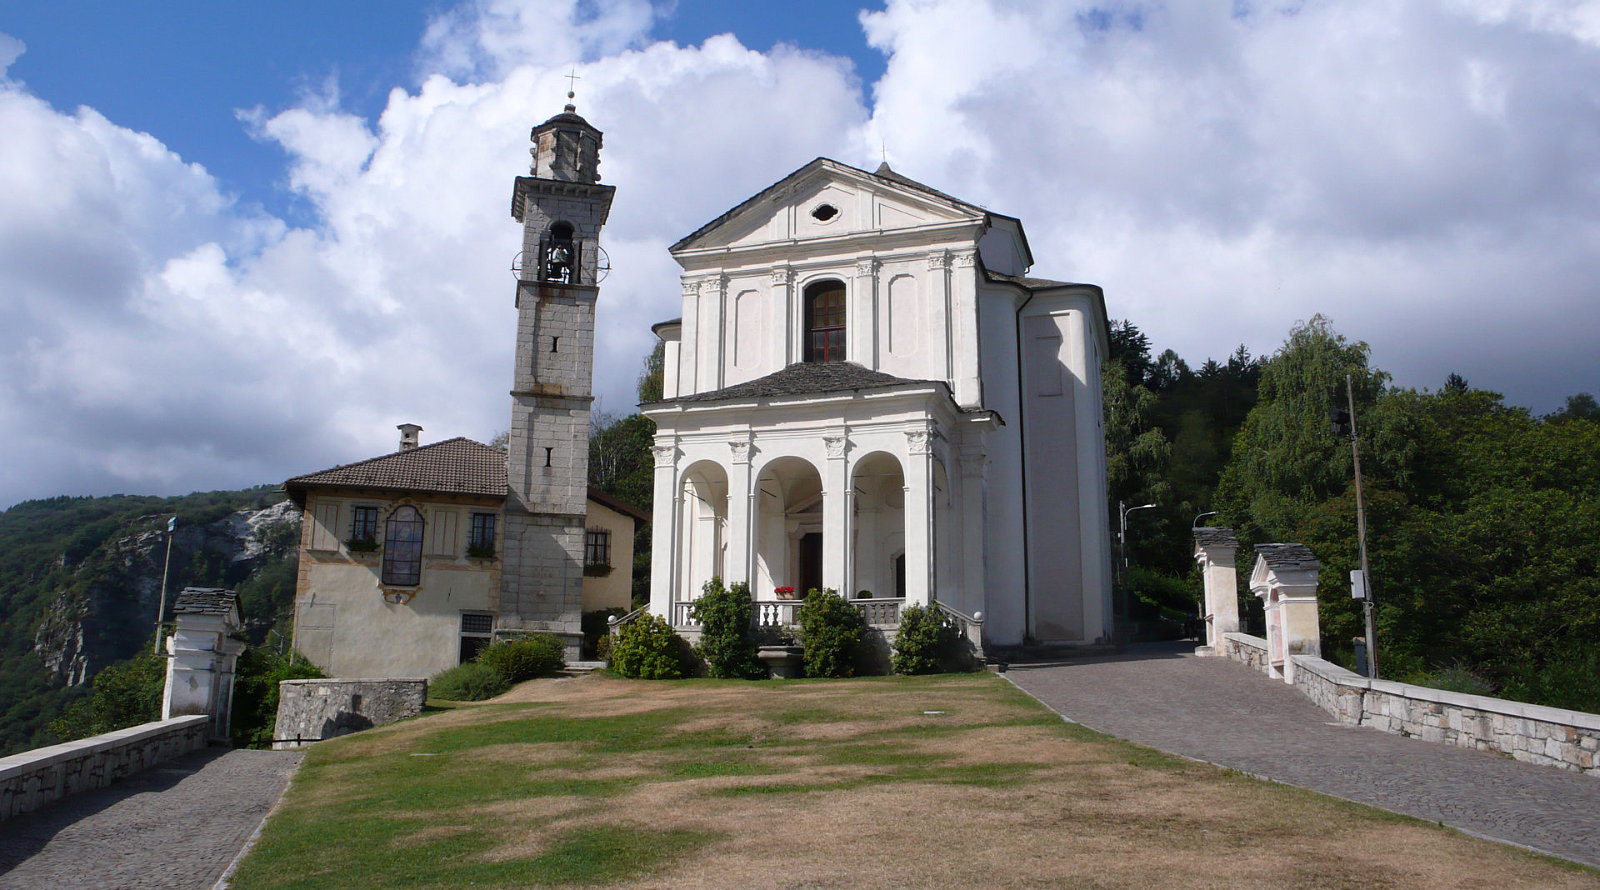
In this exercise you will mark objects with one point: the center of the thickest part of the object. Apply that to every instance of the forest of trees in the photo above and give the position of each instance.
(1484, 520)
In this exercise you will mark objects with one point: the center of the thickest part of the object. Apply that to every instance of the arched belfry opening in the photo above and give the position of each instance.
(825, 321)
(558, 255)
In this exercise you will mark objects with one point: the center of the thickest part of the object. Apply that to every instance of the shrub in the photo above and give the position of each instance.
(928, 642)
(596, 625)
(647, 649)
(727, 642)
(255, 691)
(472, 681)
(833, 632)
(537, 655)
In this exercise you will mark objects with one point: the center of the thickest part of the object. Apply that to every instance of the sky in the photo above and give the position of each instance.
(239, 244)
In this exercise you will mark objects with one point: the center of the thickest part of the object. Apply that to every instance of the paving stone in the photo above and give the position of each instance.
(1220, 711)
(176, 826)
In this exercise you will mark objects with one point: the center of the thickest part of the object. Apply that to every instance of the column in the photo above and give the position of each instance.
(689, 379)
(940, 317)
(964, 334)
(974, 463)
(836, 513)
(663, 538)
(863, 326)
(782, 316)
(919, 516)
(741, 512)
(714, 294)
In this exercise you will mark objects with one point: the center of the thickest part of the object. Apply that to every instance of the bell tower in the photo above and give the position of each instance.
(562, 207)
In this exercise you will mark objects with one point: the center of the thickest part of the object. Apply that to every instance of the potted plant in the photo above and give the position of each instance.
(785, 593)
(778, 649)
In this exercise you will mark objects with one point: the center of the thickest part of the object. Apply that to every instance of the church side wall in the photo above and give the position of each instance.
(1005, 575)
(1050, 436)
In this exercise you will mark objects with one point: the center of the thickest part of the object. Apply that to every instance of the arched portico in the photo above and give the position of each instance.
(789, 527)
(878, 485)
(702, 528)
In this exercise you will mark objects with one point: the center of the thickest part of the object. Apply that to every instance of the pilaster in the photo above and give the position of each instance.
(741, 510)
(782, 306)
(919, 517)
(963, 333)
(836, 502)
(862, 333)
(664, 535)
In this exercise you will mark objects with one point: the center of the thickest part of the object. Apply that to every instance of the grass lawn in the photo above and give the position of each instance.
(953, 781)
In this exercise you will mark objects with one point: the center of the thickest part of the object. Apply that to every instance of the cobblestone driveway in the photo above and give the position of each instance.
(1220, 711)
(174, 827)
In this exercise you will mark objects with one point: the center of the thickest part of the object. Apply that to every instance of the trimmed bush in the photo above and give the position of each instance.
(833, 633)
(928, 642)
(538, 655)
(727, 641)
(647, 649)
(255, 692)
(473, 681)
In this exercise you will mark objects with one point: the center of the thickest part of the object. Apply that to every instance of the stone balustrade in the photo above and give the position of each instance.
(32, 779)
(1531, 733)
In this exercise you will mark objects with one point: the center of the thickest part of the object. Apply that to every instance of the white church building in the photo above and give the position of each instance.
(867, 393)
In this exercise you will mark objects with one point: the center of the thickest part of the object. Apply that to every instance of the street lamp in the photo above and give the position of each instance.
(1197, 519)
(1122, 535)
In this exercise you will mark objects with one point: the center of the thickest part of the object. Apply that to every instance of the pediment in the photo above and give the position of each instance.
(826, 199)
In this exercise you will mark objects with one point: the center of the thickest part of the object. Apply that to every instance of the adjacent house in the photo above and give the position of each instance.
(401, 555)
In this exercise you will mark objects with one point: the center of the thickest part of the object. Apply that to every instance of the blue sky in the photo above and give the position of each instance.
(239, 243)
(183, 71)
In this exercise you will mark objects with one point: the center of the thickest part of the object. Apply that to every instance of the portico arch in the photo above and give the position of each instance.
(788, 527)
(879, 524)
(703, 527)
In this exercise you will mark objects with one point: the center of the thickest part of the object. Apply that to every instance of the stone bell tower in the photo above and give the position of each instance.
(562, 207)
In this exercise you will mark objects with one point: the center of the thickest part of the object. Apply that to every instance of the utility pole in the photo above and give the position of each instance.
(1361, 525)
(1122, 545)
(172, 525)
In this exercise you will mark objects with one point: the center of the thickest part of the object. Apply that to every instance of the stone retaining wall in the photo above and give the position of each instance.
(1531, 733)
(32, 779)
(312, 710)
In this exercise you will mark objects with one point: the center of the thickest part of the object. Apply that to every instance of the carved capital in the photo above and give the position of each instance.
(781, 275)
(740, 449)
(665, 454)
(866, 268)
(919, 441)
(939, 259)
(835, 444)
(691, 288)
(966, 258)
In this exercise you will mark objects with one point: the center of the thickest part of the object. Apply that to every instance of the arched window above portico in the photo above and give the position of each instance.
(825, 321)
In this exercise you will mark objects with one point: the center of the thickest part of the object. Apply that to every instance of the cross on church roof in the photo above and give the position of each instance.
(571, 84)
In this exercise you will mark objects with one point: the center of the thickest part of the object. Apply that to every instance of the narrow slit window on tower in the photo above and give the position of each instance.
(825, 311)
(548, 453)
(553, 342)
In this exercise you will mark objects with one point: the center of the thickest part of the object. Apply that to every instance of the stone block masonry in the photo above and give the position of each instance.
(32, 779)
(1536, 734)
(312, 710)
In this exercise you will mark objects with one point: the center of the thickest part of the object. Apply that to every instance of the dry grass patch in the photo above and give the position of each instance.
(603, 782)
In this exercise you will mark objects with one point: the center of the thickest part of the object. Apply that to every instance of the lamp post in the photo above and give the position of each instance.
(1122, 538)
(172, 525)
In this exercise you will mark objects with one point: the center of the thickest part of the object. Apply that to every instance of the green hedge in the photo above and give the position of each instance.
(928, 642)
(834, 635)
(647, 649)
(524, 658)
(473, 681)
(727, 641)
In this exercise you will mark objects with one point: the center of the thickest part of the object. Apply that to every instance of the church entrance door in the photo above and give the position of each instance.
(810, 562)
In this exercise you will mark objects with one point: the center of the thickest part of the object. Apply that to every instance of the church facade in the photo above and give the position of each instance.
(865, 392)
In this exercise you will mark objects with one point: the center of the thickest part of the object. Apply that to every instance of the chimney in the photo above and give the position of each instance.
(408, 435)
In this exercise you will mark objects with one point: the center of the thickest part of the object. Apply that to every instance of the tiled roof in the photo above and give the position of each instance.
(617, 504)
(1030, 283)
(804, 378)
(454, 466)
(1288, 557)
(1219, 536)
(205, 601)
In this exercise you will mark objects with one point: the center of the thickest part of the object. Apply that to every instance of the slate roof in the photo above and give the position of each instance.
(453, 466)
(205, 601)
(1032, 283)
(1219, 536)
(1288, 557)
(804, 378)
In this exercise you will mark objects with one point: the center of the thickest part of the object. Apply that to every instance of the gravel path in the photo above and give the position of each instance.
(174, 827)
(1220, 711)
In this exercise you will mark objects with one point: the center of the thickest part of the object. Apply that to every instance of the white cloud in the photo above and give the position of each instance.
(1424, 173)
